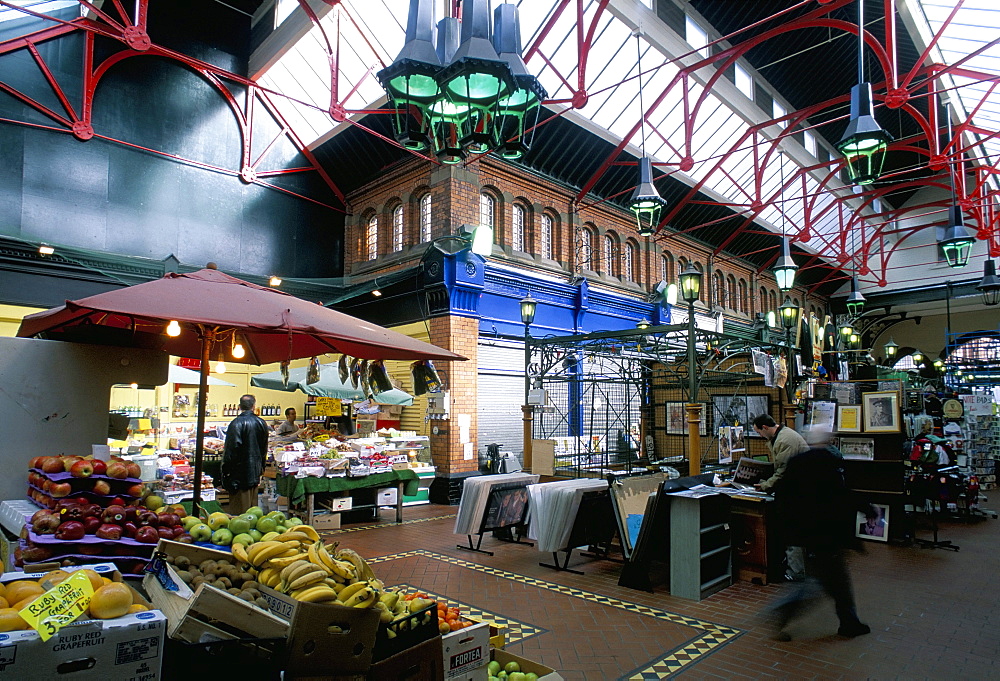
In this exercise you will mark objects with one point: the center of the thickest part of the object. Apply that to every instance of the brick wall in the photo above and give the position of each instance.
(460, 335)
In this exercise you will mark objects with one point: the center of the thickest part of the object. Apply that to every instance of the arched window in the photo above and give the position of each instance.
(628, 262)
(488, 212)
(517, 229)
(585, 248)
(731, 299)
(608, 255)
(397, 228)
(718, 289)
(762, 305)
(667, 268)
(744, 304)
(371, 237)
(425, 217)
(545, 237)
(703, 295)
(774, 301)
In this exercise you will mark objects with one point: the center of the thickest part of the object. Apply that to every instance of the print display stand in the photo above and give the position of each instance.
(497, 503)
(593, 526)
(642, 518)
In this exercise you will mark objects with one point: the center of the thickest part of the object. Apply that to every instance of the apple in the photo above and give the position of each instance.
(46, 485)
(266, 524)
(178, 509)
(222, 537)
(255, 535)
(100, 468)
(114, 514)
(218, 520)
(134, 470)
(132, 513)
(52, 464)
(200, 532)
(44, 524)
(81, 469)
(147, 518)
(168, 520)
(493, 668)
(60, 489)
(184, 538)
(147, 535)
(255, 511)
(135, 491)
(292, 522)
(33, 463)
(117, 470)
(117, 501)
(190, 521)
(68, 462)
(91, 523)
(153, 502)
(71, 530)
(102, 487)
(129, 529)
(36, 554)
(512, 667)
(82, 501)
(165, 532)
(242, 524)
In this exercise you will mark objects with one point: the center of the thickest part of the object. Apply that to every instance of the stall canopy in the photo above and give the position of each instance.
(216, 312)
(179, 374)
(328, 385)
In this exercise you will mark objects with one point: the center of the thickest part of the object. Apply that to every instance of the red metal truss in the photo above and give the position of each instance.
(113, 22)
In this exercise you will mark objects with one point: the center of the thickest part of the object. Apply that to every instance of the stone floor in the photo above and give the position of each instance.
(932, 612)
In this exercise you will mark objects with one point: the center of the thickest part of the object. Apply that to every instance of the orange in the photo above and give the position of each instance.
(137, 607)
(104, 581)
(96, 580)
(52, 578)
(11, 621)
(3, 603)
(110, 601)
(18, 591)
(24, 602)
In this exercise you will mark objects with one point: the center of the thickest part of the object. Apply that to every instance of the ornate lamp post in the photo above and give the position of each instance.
(528, 305)
(690, 285)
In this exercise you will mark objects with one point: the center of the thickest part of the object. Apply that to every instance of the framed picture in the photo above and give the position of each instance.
(739, 410)
(822, 414)
(725, 446)
(676, 415)
(848, 418)
(860, 448)
(881, 411)
(875, 524)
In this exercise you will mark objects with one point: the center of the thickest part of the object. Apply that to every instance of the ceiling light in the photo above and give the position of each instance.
(990, 284)
(377, 293)
(855, 301)
(274, 281)
(220, 367)
(45, 249)
(958, 240)
(784, 269)
(173, 328)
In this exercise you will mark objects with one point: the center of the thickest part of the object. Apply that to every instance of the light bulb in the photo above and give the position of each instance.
(238, 351)
(134, 386)
(220, 367)
(173, 328)
(274, 281)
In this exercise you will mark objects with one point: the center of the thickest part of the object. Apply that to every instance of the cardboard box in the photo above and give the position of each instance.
(422, 662)
(341, 503)
(466, 653)
(498, 634)
(127, 648)
(325, 636)
(187, 612)
(328, 521)
(544, 673)
(387, 497)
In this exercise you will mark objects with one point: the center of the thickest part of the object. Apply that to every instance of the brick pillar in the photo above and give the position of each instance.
(460, 335)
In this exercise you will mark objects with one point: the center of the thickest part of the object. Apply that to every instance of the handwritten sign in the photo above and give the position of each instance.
(980, 404)
(59, 606)
(327, 406)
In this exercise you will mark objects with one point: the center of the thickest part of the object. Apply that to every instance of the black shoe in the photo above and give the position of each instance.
(782, 636)
(853, 630)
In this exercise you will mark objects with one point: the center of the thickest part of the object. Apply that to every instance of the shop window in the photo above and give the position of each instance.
(517, 229)
(608, 253)
(371, 237)
(545, 237)
(487, 213)
(586, 248)
(397, 228)
(628, 262)
(425, 217)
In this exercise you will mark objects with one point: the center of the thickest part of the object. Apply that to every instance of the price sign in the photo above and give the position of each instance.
(327, 406)
(59, 606)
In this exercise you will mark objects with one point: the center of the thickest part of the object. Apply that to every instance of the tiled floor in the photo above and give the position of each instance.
(932, 612)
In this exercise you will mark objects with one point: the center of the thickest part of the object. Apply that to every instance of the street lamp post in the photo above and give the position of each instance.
(528, 305)
(690, 285)
(789, 312)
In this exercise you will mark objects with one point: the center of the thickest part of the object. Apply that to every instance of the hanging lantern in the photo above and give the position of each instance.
(784, 269)
(646, 203)
(855, 301)
(518, 113)
(958, 240)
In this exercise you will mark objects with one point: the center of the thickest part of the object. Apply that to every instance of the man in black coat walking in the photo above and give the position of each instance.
(819, 514)
(243, 458)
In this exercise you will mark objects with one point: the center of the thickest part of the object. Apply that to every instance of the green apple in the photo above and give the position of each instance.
(531, 676)
(502, 675)
(200, 532)
(222, 537)
(218, 520)
(190, 521)
(256, 535)
(244, 539)
(278, 516)
(255, 511)
(493, 668)
(515, 676)
(512, 667)
(266, 525)
(292, 522)
(241, 524)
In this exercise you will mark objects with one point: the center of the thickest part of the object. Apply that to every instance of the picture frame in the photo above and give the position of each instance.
(732, 410)
(881, 411)
(857, 448)
(873, 527)
(676, 419)
(849, 418)
(725, 445)
(822, 415)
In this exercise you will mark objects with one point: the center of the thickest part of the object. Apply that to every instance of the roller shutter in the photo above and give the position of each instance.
(501, 393)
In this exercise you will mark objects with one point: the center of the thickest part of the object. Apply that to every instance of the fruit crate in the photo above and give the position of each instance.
(407, 632)
(208, 613)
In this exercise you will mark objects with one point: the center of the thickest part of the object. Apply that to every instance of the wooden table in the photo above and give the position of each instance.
(300, 490)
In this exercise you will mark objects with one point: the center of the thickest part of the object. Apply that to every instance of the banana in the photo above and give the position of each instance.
(285, 561)
(292, 535)
(360, 566)
(240, 553)
(266, 552)
(309, 531)
(306, 579)
(344, 570)
(316, 594)
(290, 551)
(335, 585)
(324, 555)
(269, 536)
(316, 559)
(269, 577)
(290, 572)
(362, 598)
(349, 591)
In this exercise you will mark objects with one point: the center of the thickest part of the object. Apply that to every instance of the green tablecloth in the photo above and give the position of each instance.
(296, 488)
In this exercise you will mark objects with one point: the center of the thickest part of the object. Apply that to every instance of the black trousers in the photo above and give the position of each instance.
(826, 572)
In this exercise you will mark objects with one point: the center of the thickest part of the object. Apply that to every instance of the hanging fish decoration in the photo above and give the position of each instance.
(379, 377)
(356, 372)
(312, 374)
(343, 369)
(366, 387)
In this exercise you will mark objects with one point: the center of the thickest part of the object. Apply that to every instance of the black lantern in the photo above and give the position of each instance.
(518, 112)
(528, 305)
(990, 284)
(785, 268)
(958, 240)
(643, 324)
(690, 280)
(646, 203)
(864, 143)
(890, 348)
(789, 312)
(855, 301)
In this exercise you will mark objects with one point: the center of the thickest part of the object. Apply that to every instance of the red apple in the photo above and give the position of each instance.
(129, 528)
(114, 514)
(184, 538)
(132, 513)
(71, 530)
(52, 464)
(94, 510)
(165, 532)
(134, 491)
(178, 531)
(117, 501)
(148, 518)
(169, 519)
(82, 501)
(34, 462)
(134, 470)
(36, 554)
(91, 523)
(102, 487)
(117, 470)
(47, 484)
(68, 462)
(44, 524)
(147, 535)
(60, 489)
(81, 469)
(100, 468)
(109, 531)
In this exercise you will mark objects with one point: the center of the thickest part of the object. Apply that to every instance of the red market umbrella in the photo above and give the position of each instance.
(215, 312)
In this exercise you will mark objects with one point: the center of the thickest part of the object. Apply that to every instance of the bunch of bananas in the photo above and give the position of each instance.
(395, 610)
(297, 563)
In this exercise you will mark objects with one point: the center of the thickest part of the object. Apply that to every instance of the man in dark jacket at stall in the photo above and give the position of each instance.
(243, 459)
(819, 511)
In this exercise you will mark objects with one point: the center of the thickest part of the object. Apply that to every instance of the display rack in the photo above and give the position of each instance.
(700, 545)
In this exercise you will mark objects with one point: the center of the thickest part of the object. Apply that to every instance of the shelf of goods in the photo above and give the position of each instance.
(128, 555)
(45, 489)
(700, 546)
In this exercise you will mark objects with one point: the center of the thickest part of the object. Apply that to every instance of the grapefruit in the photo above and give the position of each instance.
(110, 601)
(18, 591)
(11, 621)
